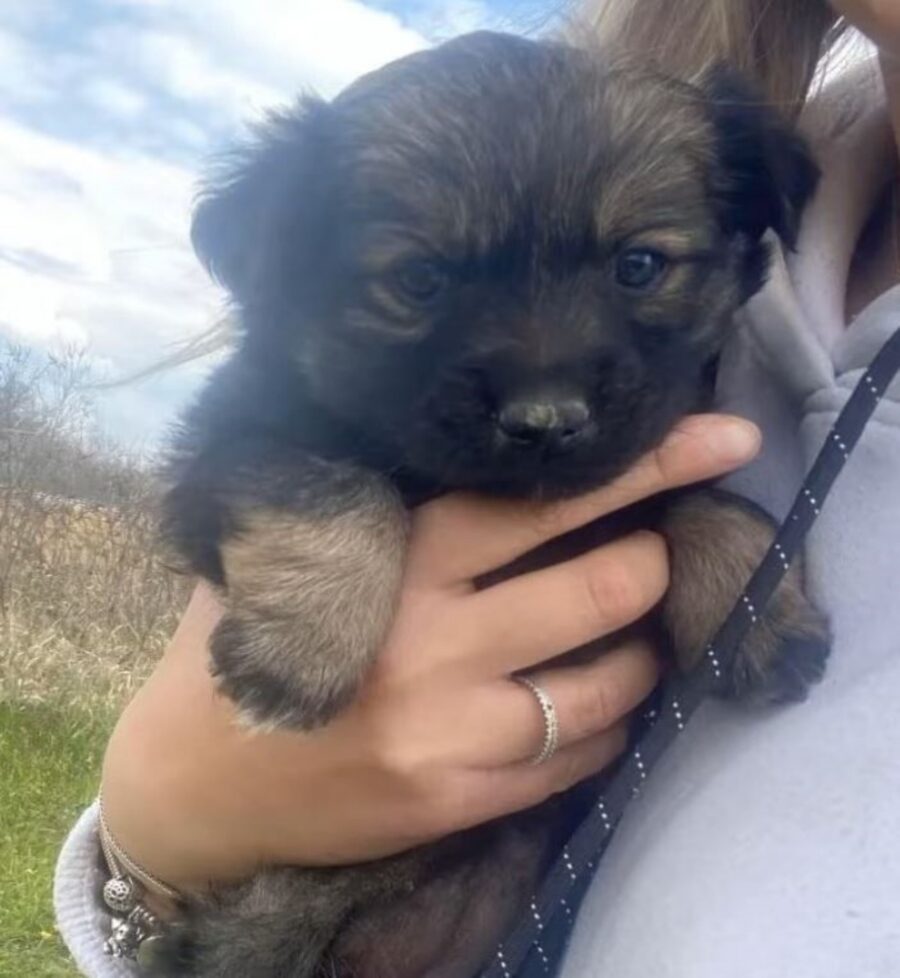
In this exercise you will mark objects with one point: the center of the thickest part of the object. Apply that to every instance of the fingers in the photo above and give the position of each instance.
(537, 616)
(587, 699)
(461, 536)
(491, 794)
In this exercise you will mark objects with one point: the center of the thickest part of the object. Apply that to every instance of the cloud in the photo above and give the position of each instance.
(93, 253)
(223, 50)
(114, 97)
(439, 20)
(22, 77)
(21, 16)
(174, 64)
(452, 17)
(110, 111)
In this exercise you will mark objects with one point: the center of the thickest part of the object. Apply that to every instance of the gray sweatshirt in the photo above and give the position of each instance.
(764, 846)
(769, 846)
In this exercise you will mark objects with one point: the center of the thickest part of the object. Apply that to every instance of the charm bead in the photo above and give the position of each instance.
(120, 894)
(123, 941)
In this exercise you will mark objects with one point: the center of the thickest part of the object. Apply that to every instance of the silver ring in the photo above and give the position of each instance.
(550, 744)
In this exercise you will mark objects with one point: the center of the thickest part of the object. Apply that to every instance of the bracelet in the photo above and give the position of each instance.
(135, 932)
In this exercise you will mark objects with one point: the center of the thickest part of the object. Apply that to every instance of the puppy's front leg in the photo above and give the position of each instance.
(310, 554)
(716, 541)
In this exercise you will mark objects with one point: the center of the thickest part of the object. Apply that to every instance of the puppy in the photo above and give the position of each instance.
(500, 265)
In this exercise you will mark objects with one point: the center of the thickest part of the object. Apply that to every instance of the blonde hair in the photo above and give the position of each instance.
(779, 44)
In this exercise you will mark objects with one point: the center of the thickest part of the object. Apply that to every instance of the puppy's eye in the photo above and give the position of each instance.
(640, 268)
(420, 281)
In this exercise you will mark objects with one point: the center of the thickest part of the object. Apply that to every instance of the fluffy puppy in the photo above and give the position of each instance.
(500, 265)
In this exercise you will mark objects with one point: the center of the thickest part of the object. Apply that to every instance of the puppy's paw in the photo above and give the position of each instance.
(784, 653)
(257, 664)
(716, 542)
(310, 597)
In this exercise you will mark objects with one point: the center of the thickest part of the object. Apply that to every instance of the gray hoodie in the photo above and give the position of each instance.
(768, 846)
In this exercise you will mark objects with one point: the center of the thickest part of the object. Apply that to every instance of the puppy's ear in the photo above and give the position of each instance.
(259, 212)
(768, 174)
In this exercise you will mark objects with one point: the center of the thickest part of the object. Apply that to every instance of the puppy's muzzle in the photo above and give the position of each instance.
(547, 423)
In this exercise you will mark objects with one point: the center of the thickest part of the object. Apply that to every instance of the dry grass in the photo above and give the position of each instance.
(86, 602)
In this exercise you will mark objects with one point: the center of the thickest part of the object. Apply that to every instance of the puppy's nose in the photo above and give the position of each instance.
(544, 423)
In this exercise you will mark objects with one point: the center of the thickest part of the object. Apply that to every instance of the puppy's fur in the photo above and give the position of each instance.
(435, 281)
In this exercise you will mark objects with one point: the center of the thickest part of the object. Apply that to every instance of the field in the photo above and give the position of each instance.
(50, 760)
(86, 605)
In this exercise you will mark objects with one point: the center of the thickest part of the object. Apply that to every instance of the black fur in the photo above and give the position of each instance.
(769, 174)
(487, 156)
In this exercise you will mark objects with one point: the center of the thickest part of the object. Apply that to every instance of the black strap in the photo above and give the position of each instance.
(536, 946)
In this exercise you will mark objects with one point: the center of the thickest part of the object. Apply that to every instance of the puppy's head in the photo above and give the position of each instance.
(504, 260)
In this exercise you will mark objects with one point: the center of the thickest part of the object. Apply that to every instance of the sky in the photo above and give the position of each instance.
(109, 112)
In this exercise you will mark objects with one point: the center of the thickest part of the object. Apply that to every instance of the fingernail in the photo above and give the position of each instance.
(735, 440)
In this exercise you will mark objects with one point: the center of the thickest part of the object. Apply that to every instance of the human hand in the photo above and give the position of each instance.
(440, 737)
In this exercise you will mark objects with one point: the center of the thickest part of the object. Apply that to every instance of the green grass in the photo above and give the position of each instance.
(49, 764)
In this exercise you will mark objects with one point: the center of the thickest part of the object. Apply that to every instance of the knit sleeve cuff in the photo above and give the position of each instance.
(81, 918)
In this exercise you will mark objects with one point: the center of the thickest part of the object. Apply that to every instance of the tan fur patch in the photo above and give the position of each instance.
(311, 599)
(716, 542)
(662, 139)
